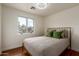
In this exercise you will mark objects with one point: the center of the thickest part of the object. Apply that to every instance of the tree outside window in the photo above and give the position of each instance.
(25, 25)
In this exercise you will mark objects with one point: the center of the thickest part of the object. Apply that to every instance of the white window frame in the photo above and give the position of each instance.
(27, 25)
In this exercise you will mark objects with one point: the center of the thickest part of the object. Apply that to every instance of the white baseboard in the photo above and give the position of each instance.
(10, 47)
(75, 49)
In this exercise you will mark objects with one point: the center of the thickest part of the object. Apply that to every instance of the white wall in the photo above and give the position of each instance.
(66, 18)
(10, 37)
(0, 28)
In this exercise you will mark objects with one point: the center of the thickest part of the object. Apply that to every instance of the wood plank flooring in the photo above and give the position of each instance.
(70, 52)
(22, 52)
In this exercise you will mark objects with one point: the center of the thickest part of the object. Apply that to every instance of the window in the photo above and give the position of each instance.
(25, 25)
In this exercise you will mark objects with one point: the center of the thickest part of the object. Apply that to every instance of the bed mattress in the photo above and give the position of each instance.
(45, 46)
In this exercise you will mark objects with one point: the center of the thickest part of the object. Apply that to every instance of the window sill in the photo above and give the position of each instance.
(25, 33)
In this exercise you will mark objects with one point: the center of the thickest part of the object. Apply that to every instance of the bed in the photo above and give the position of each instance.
(47, 46)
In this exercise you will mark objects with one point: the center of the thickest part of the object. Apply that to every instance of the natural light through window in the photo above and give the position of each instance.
(22, 21)
(25, 25)
(30, 23)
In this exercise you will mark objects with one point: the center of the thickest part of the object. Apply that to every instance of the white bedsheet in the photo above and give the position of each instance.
(45, 46)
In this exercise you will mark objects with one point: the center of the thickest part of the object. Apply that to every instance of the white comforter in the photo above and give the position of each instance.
(45, 46)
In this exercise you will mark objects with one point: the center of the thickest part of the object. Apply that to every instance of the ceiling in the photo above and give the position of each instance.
(51, 9)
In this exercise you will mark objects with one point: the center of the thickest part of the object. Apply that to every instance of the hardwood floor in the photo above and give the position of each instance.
(16, 52)
(22, 52)
(69, 52)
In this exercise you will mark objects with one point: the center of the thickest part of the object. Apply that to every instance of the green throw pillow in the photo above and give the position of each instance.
(57, 34)
(50, 34)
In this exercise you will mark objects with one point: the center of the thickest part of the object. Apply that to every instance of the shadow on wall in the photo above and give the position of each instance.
(75, 40)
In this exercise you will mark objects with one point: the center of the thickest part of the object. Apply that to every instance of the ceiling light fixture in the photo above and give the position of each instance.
(41, 5)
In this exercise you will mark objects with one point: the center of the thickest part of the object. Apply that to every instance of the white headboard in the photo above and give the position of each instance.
(67, 29)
